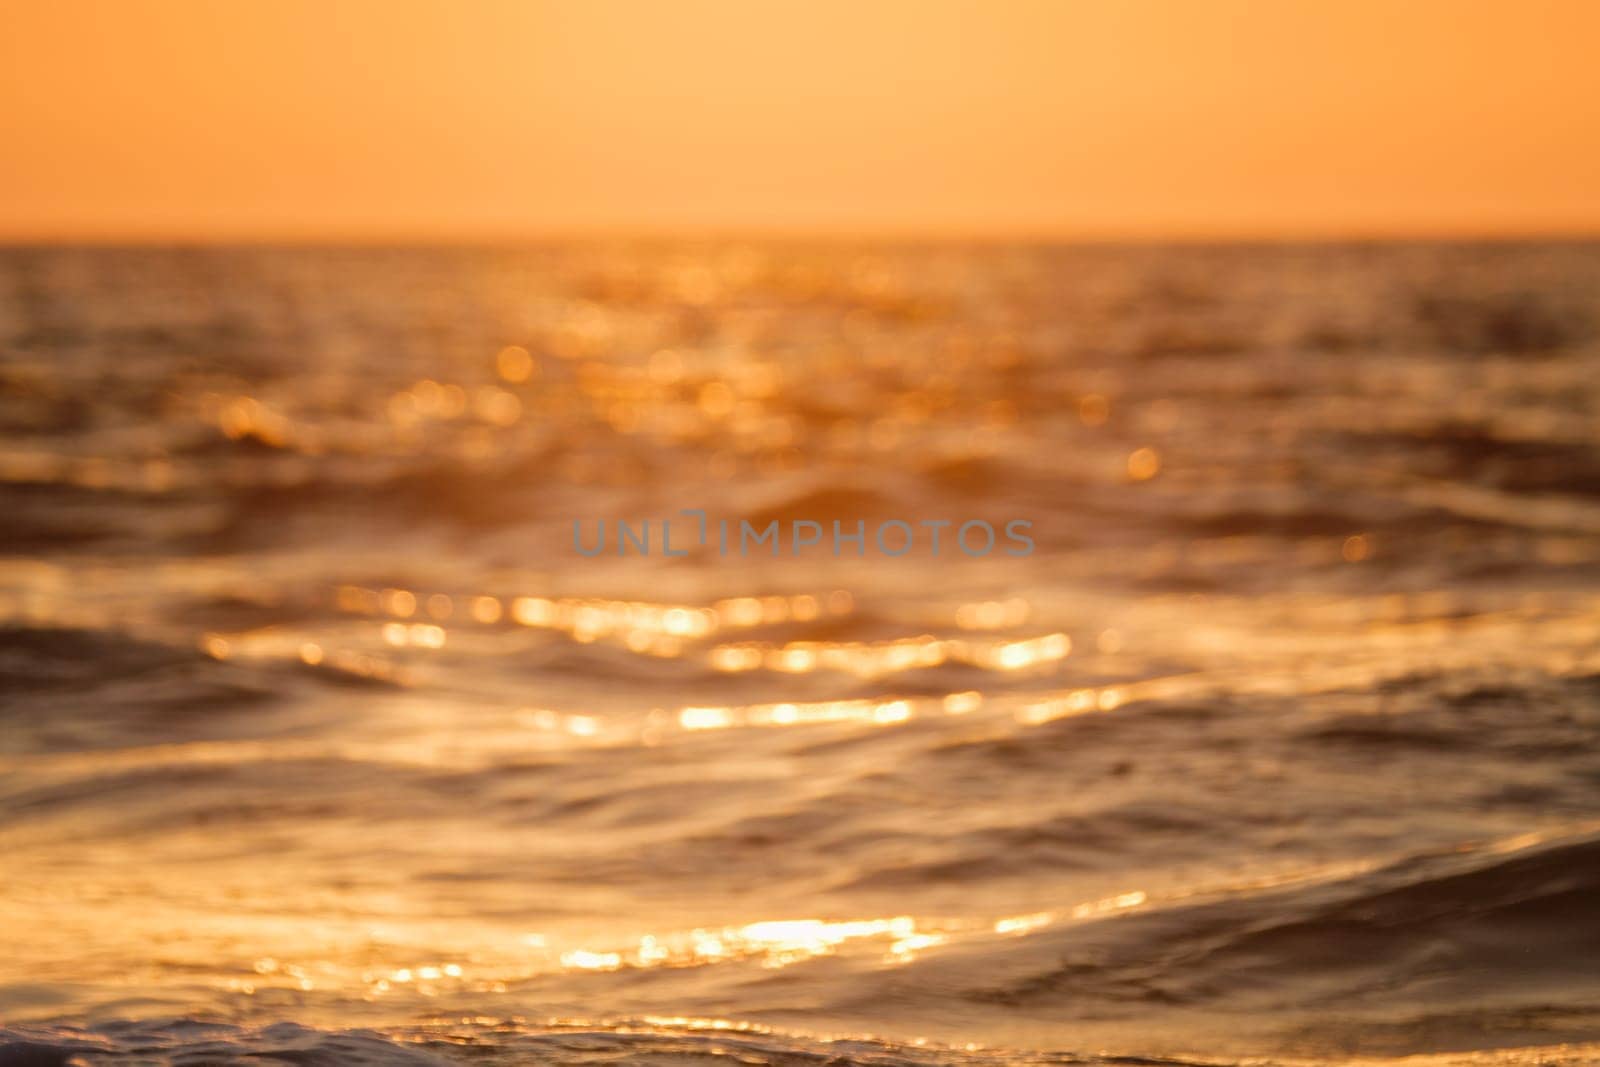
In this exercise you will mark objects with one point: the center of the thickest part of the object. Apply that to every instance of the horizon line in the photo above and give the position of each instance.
(470, 237)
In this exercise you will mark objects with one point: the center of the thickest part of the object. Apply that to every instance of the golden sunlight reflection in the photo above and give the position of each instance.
(769, 944)
(781, 943)
(873, 712)
(1143, 464)
(1022, 924)
(993, 614)
(875, 659)
(773, 944)
(637, 624)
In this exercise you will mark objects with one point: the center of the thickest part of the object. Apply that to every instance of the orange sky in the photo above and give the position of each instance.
(395, 119)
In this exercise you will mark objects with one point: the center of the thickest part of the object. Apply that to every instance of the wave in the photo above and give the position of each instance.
(1506, 927)
(175, 1042)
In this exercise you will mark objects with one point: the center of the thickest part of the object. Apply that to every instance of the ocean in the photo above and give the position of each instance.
(322, 741)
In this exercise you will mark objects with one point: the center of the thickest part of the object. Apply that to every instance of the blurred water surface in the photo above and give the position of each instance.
(1281, 742)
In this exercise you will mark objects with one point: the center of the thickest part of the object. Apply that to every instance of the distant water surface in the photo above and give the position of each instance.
(319, 743)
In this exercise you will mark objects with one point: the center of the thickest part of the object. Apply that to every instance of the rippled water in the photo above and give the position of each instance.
(319, 741)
